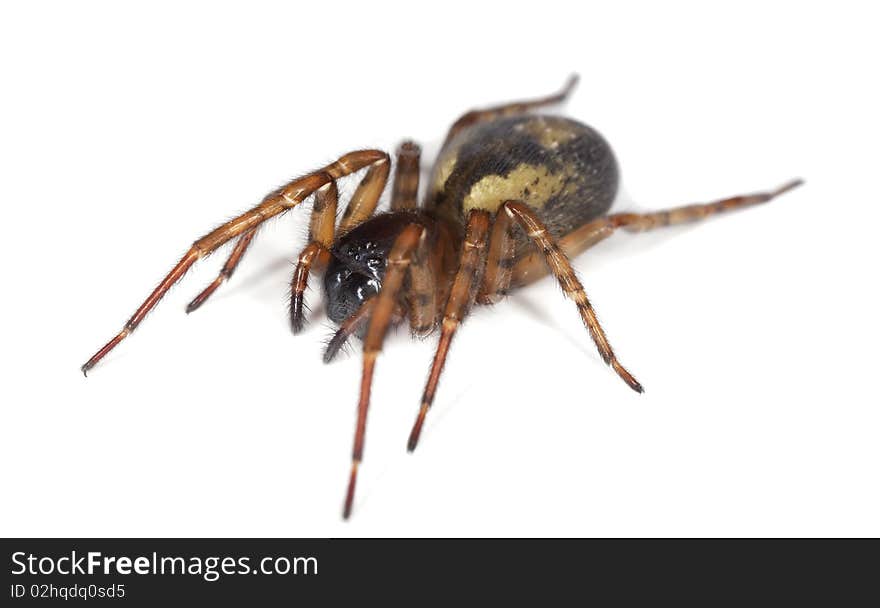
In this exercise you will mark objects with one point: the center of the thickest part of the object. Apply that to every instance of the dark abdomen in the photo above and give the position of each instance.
(562, 169)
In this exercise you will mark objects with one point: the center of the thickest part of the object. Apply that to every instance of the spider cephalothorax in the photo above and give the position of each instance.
(512, 197)
(358, 261)
(357, 267)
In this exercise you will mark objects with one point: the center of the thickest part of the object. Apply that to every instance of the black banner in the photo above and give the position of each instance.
(268, 572)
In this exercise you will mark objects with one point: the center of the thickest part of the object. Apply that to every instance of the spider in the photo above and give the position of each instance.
(512, 196)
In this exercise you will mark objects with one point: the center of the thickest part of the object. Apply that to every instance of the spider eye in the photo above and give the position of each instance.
(376, 263)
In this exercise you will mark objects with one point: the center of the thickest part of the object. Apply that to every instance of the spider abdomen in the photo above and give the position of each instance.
(561, 168)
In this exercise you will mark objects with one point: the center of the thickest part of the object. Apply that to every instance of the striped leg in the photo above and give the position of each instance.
(241, 246)
(386, 301)
(281, 200)
(509, 109)
(422, 293)
(561, 268)
(533, 267)
(321, 232)
(364, 200)
(499, 261)
(405, 192)
(461, 298)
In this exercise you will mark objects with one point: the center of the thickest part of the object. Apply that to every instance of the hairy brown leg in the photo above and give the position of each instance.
(509, 109)
(365, 199)
(405, 192)
(311, 253)
(241, 246)
(533, 267)
(461, 298)
(561, 268)
(273, 204)
(398, 261)
(321, 232)
(499, 261)
(422, 291)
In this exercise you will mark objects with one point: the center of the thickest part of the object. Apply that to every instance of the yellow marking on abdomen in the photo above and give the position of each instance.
(532, 184)
(550, 133)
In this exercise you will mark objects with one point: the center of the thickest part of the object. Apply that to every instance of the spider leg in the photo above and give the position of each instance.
(241, 246)
(322, 232)
(405, 191)
(533, 267)
(365, 198)
(422, 293)
(499, 260)
(509, 109)
(275, 203)
(561, 268)
(461, 298)
(353, 324)
(348, 328)
(386, 301)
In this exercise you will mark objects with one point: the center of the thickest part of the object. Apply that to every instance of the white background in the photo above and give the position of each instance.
(129, 131)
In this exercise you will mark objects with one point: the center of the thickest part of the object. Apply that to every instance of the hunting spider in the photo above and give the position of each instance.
(513, 195)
